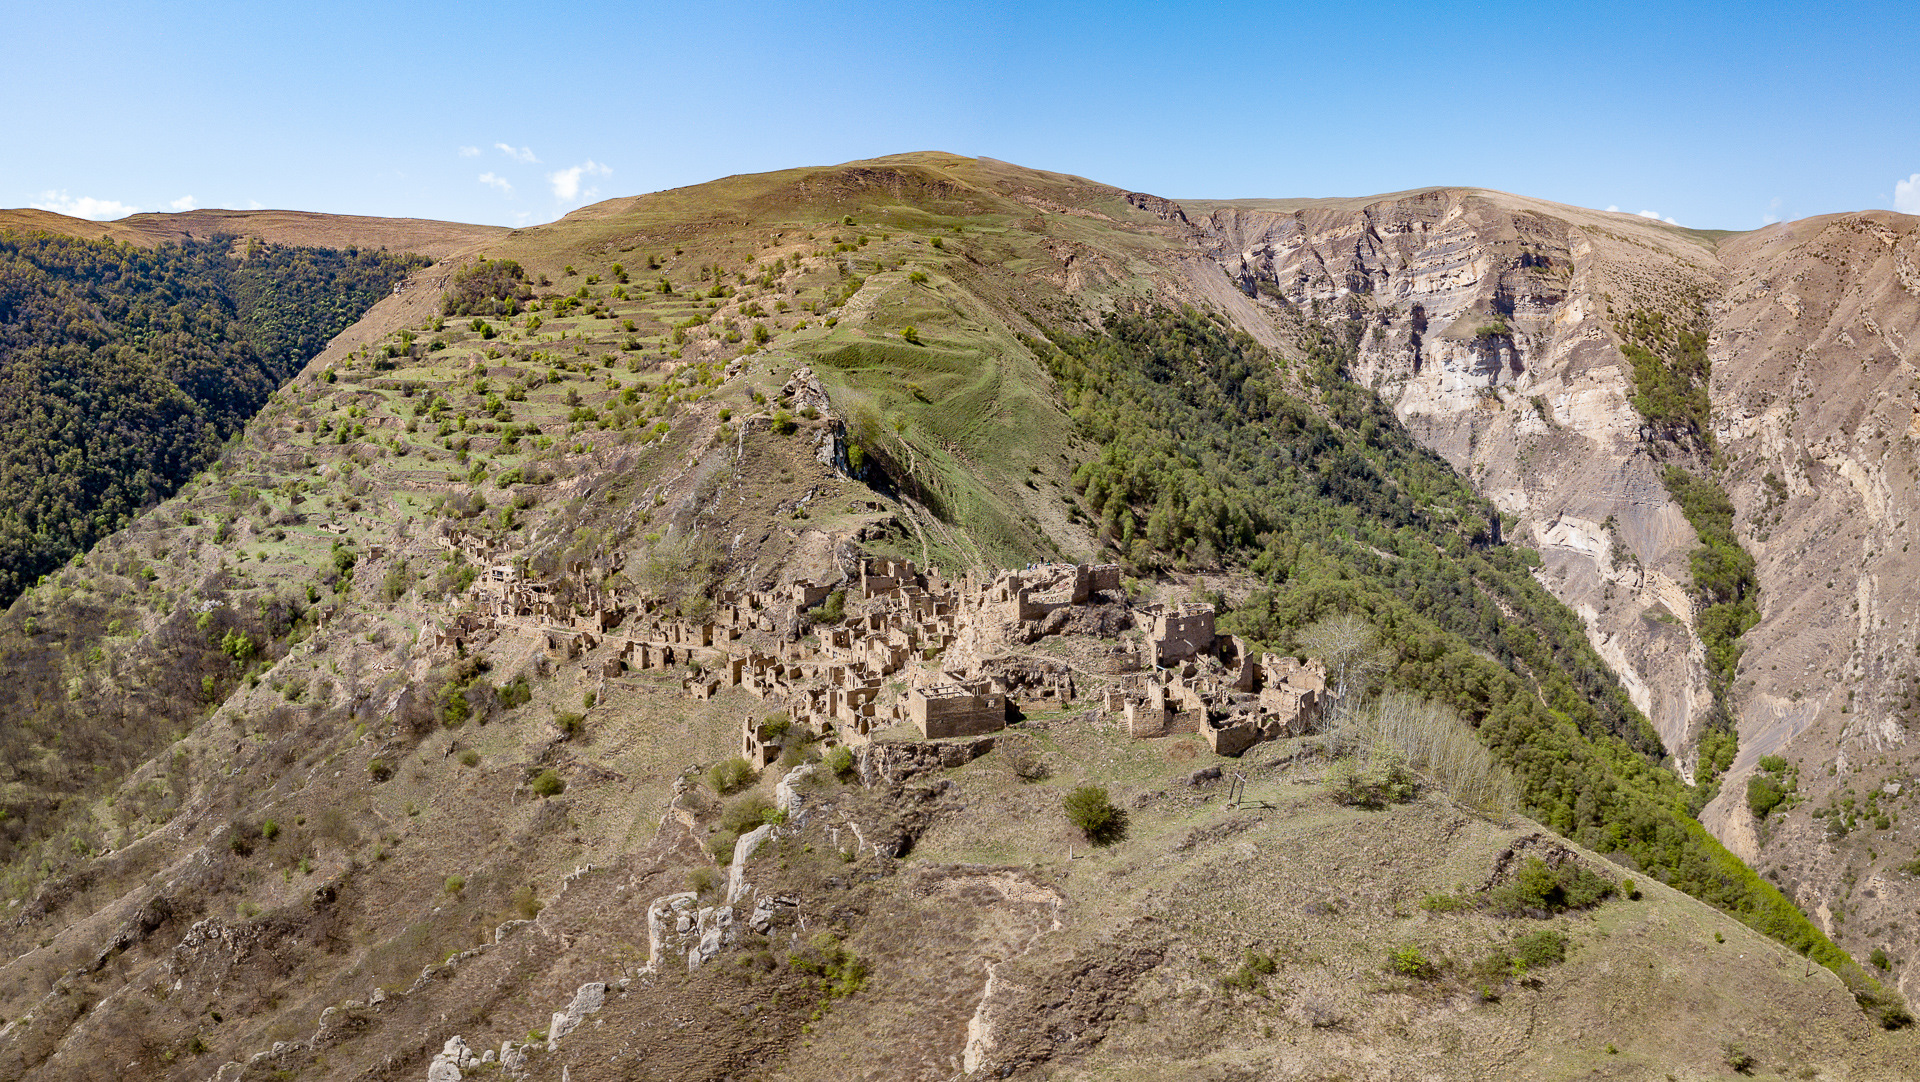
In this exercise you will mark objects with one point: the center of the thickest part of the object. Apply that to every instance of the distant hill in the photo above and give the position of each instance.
(432, 239)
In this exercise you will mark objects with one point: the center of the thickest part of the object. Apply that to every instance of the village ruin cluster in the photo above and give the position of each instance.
(951, 657)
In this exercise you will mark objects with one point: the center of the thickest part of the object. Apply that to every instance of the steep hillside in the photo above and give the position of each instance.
(414, 711)
(1815, 399)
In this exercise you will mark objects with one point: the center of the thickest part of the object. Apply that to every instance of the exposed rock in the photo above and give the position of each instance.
(453, 1058)
(743, 850)
(786, 797)
(588, 999)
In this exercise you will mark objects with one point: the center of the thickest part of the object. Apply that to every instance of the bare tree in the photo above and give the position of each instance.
(1353, 655)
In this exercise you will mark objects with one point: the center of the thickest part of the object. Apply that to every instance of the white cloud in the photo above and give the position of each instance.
(500, 182)
(185, 202)
(85, 206)
(469, 152)
(1773, 211)
(518, 154)
(255, 204)
(566, 183)
(1906, 195)
(1613, 209)
(1656, 216)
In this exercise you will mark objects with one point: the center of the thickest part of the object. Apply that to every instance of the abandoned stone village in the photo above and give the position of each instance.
(912, 647)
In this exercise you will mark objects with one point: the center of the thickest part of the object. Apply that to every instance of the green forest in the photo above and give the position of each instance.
(1216, 451)
(123, 370)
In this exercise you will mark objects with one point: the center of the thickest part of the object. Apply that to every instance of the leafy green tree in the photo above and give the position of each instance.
(1090, 810)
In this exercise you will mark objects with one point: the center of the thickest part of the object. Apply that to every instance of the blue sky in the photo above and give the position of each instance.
(1716, 115)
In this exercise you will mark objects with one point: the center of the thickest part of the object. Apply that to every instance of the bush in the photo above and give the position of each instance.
(832, 610)
(469, 758)
(1253, 972)
(1537, 950)
(1764, 793)
(729, 776)
(379, 769)
(1375, 782)
(748, 812)
(703, 881)
(839, 971)
(548, 783)
(1409, 962)
(840, 761)
(1539, 891)
(1738, 1058)
(570, 724)
(525, 902)
(456, 884)
(1089, 809)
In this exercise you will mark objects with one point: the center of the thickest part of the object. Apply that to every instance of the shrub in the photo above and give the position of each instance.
(1879, 960)
(910, 334)
(1885, 1007)
(840, 761)
(730, 776)
(379, 769)
(1537, 950)
(1253, 971)
(525, 902)
(269, 830)
(1738, 1058)
(840, 972)
(570, 724)
(518, 693)
(1538, 890)
(469, 758)
(456, 884)
(1373, 782)
(703, 881)
(1764, 793)
(1409, 962)
(831, 611)
(548, 783)
(748, 812)
(1089, 809)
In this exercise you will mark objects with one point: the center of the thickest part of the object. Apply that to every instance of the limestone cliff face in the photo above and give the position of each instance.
(1483, 318)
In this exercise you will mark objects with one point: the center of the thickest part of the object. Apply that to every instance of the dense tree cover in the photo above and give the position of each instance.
(1213, 450)
(123, 369)
(1670, 374)
(490, 287)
